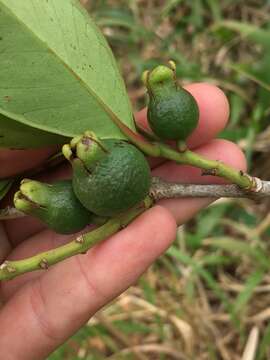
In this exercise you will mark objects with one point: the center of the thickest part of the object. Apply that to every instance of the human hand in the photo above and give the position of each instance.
(42, 309)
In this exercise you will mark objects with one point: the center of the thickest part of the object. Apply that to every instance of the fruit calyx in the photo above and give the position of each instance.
(54, 204)
(87, 147)
(161, 79)
(32, 195)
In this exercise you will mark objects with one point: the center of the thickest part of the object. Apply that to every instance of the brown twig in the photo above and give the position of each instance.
(161, 189)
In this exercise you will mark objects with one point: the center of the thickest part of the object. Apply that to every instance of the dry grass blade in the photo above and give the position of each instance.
(262, 227)
(152, 349)
(261, 316)
(251, 345)
(184, 329)
(120, 336)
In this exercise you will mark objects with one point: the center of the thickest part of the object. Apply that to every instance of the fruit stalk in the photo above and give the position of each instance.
(209, 167)
(42, 261)
(188, 157)
(161, 189)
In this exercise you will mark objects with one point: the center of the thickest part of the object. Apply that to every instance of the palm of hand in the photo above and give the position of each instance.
(40, 310)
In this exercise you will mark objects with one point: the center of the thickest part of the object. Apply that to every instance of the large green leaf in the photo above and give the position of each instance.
(57, 73)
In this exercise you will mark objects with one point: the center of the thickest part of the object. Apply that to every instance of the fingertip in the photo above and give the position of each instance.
(214, 112)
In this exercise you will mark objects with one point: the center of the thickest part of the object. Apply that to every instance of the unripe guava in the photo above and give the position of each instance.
(118, 179)
(173, 112)
(54, 204)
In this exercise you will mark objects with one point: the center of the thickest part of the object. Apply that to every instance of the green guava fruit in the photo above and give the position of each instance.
(115, 180)
(173, 112)
(54, 204)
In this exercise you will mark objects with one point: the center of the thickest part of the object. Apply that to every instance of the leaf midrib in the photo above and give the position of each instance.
(22, 119)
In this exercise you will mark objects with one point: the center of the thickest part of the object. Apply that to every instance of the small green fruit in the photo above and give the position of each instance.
(56, 205)
(172, 112)
(113, 182)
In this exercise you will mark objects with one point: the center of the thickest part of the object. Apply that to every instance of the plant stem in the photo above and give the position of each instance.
(187, 157)
(11, 269)
(210, 167)
(161, 189)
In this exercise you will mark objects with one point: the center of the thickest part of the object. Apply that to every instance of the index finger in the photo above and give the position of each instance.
(44, 313)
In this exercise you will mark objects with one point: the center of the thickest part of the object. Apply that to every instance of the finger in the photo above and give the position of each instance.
(214, 113)
(16, 161)
(218, 149)
(40, 242)
(46, 312)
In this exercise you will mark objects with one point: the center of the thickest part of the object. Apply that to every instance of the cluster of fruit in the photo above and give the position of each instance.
(110, 176)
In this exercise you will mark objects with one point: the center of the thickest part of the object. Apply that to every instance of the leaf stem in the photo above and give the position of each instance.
(187, 157)
(209, 167)
(80, 245)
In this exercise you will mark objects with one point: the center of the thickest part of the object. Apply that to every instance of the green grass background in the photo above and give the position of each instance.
(208, 297)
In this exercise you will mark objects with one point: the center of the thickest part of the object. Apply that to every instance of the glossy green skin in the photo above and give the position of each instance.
(62, 212)
(174, 115)
(118, 182)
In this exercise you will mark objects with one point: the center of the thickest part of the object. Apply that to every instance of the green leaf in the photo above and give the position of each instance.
(245, 295)
(169, 6)
(57, 72)
(202, 272)
(215, 7)
(237, 246)
(264, 344)
(252, 32)
(19, 136)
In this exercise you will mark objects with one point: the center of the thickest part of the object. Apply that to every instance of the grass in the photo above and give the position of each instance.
(208, 296)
